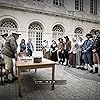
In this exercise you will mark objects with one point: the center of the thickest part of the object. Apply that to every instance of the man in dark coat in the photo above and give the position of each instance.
(9, 52)
(67, 48)
(97, 47)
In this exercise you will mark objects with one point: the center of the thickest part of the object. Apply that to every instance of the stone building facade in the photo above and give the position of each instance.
(49, 19)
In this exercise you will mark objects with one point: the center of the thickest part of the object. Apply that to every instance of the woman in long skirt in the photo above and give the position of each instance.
(53, 51)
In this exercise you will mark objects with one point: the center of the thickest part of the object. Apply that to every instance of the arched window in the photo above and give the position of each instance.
(7, 25)
(78, 32)
(58, 32)
(35, 33)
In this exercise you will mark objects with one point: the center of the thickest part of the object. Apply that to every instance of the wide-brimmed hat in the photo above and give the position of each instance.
(66, 37)
(44, 40)
(81, 37)
(60, 39)
(4, 34)
(53, 41)
(97, 31)
(16, 33)
(89, 35)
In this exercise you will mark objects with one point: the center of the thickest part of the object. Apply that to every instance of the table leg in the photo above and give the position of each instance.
(19, 83)
(53, 73)
(1, 76)
(35, 70)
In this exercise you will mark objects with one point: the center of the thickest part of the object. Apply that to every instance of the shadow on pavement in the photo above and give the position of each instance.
(82, 73)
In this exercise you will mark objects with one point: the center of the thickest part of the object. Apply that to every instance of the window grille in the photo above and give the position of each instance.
(58, 2)
(79, 5)
(35, 33)
(7, 25)
(93, 6)
(78, 32)
(57, 32)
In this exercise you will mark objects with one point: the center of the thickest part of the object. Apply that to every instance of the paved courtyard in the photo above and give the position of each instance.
(76, 88)
(82, 73)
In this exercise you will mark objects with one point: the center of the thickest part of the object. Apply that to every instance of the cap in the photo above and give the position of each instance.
(14, 32)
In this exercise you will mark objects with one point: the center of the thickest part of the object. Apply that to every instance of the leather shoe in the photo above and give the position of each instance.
(14, 78)
(91, 71)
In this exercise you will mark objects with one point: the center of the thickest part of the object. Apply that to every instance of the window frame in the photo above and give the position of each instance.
(58, 32)
(59, 3)
(35, 31)
(79, 5)
(93, 7)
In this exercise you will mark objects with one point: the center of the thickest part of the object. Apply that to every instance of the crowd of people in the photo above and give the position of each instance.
(27, 47)
(83, 54)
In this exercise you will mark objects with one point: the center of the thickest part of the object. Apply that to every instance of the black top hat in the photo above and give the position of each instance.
(44, 40)
(4, 34)
(65, 37)
(89, 35)
(60, 39)
(15, 33)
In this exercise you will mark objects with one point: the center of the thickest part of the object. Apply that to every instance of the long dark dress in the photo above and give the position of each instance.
(53, 49)
(22, 47)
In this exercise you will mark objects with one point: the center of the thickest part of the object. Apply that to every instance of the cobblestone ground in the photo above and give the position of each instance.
(75, 89)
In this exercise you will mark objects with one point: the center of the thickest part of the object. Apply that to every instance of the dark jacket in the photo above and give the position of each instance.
(88, 45)
(30, 47)
(97, 45)
(22, 47)
(10, 47)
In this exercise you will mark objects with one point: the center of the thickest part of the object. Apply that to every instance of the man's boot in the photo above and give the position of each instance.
(90, 69)
(86, 66)
(95, 68)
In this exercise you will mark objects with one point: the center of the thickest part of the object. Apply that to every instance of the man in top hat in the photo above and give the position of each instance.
(60, 52)
(9, 52)
(88, 35)
(67, 48)
(96, 52)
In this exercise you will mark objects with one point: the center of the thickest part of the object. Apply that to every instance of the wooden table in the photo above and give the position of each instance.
(30, 65)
